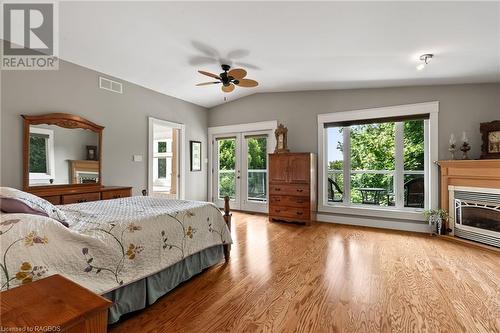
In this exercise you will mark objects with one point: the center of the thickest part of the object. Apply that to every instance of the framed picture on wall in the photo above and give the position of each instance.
(195, 148)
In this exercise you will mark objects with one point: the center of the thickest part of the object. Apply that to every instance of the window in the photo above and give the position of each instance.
(163, 160)
(41, 155)
(378, 163)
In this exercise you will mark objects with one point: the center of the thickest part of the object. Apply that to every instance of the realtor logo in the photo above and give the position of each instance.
(29, 41)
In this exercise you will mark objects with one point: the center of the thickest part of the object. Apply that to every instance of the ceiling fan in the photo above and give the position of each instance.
(230, 78)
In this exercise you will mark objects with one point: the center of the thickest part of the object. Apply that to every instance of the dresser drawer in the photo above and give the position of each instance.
(53, 199)
(289, 200)
(289, 189)
(115, 194)
(82, 197)
(290, 212)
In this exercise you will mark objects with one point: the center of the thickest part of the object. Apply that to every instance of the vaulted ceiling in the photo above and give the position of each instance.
(286, 46)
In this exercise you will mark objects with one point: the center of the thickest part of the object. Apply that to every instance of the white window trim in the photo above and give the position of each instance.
(51, 174)
(181, 158)
(231, 129)
(431, 178)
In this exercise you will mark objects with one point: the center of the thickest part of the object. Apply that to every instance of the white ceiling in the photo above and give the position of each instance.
(286, 46)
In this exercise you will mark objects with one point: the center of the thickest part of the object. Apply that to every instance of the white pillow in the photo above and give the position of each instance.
(34, 202)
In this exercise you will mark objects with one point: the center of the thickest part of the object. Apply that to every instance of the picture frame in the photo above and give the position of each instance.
(92, 154)
(195, 153)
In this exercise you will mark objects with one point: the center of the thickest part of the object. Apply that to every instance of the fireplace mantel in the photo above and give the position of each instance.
(475, 173)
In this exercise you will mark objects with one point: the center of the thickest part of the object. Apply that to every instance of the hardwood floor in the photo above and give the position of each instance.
(332, 278)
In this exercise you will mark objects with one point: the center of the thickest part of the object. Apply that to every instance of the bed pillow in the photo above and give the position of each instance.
(35, 203)
(12, 206)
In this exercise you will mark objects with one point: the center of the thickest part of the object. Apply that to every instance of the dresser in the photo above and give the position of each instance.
(75, 194)
(53, 304)
(292, 187)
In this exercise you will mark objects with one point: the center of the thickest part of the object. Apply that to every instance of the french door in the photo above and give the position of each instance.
(240, 170)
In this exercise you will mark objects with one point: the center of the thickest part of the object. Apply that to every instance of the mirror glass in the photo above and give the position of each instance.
(61, 156)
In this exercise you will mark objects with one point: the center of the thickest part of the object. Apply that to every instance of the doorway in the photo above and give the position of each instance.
(165, 167)
(240, 169)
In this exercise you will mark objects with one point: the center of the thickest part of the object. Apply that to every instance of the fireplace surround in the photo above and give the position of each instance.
(475, 214)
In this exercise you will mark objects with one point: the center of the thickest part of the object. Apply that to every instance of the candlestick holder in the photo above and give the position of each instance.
(465, 150)
(452, 150)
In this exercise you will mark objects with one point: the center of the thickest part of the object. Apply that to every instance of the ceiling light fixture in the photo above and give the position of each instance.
(425, 58)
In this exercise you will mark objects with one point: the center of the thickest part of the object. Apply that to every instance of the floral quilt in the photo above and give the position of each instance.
(109, 243)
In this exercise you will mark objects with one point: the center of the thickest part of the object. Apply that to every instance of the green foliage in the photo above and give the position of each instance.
(162, 147)
(257, 160)
(372, 148)
(38, 154)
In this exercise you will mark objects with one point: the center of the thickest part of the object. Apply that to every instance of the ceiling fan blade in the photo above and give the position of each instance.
(237, 73)
(209, 74)
(228, 89)
(247, 83)
(207, 83)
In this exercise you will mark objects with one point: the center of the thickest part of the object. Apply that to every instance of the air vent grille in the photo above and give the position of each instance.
(110, 85)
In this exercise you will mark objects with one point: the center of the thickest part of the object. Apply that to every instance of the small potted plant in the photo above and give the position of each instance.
(436, 218)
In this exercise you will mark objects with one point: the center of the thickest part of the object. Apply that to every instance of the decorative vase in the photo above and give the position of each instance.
(439, 225)
(434, 221)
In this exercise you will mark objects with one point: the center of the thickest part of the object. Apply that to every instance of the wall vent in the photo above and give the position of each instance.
(111, 85)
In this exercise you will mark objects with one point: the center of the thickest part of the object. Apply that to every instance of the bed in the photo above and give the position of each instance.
(130, 250)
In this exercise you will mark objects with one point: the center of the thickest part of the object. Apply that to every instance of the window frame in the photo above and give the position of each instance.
(430, 155)
(40, 177)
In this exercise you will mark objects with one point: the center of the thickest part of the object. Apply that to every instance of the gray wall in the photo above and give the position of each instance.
(74, 89)
(461, 108)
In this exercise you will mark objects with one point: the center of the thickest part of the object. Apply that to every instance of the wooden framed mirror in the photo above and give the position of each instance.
(61, 151)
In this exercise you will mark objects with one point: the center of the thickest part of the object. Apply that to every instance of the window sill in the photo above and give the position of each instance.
(382, 212)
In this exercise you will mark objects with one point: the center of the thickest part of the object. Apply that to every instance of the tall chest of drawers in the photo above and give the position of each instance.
(292, 187)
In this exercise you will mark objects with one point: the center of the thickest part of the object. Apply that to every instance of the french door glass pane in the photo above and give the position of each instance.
(257, 168)
(227, 167)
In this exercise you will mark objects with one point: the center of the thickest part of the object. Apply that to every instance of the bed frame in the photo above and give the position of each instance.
(227, 218)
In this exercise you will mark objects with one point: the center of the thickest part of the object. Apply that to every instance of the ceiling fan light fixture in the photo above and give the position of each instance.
(230, 78)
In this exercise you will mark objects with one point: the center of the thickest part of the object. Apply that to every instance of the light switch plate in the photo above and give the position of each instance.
(137, 158)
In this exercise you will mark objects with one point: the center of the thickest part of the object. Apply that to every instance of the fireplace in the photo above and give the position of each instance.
(475, 214)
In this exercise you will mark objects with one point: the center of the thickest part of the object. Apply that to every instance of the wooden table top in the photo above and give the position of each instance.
(52, 301)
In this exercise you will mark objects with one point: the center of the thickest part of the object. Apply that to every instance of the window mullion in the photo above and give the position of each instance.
(399, 165)
(347, 165)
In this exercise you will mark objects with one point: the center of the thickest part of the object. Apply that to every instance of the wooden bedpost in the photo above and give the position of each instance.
(227, 218)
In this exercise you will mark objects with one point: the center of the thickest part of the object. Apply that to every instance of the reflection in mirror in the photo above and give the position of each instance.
(59, 156)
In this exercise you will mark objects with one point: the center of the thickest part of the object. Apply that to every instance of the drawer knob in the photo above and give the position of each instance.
(300, 213)
(277, 210)
(277, 189)
(116, 196)
(300, 190)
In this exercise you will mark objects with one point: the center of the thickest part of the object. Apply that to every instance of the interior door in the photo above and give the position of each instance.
(164, 160)
(227, 170)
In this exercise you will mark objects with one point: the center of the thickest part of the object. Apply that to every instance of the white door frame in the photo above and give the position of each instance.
(231, 129)
(181, 160)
